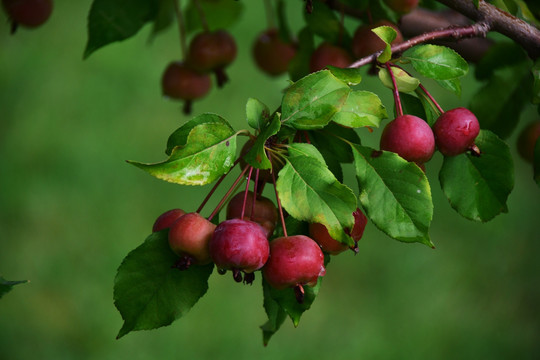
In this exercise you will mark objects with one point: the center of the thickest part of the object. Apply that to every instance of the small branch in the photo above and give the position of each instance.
(523, 33)
(395, 91)
(218, 207)
(182, 31)
(202, 16)
(476, 30)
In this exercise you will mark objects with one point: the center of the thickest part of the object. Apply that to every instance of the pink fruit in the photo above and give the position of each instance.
(455, 131)
(166, 219)
(410, 137)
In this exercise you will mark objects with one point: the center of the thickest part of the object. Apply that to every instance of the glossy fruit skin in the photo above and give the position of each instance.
(455, 131)
(239, 245)
(365, 42)
(294, 260)
(328, 54)
(190, 235)
(527, 139)
(319, 233)
(28, 13)
(271, 54)
(265, 213)
(410, 137)
(165, 220)
(181, 82)
(402, 6)
(212, 50)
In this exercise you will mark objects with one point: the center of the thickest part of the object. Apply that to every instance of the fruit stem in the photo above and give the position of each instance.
(277, 199)
(227, 194)
(202, 16)
(245, 194)
(255, 189)
(269, 14)
(181, 28)
(306, 135)
(214, 188)
(397, 100)
(431, 98)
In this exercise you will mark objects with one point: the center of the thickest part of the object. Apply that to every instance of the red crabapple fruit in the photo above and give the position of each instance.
(165, 220)
(189, 236)
(265, 213)
(410, 137)
(455, 131)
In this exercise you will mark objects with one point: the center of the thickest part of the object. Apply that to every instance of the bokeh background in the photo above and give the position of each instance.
(71, 208)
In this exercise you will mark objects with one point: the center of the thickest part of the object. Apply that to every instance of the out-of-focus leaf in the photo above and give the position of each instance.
(116, 20)
(499, 103)
(6, 285)
(219, 14)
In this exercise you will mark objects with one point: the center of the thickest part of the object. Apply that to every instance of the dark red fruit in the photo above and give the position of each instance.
(455, 131)
(28, 13)
(410, 137)
(319, 233)
(328, 54)
(294, 261)
(189, 236)
(402, 6)
(265, 213)
(527, 140)
(272, 55)
(212, 51)
(181, 82)
(166, 219)
(365, 42)
(239, 245)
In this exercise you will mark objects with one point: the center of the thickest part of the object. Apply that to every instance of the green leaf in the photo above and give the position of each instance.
(405, 83)
(362, 108)
(311, 102)
(283, 25)
(276, 314)
(116, 20)
(499, 103)
(350, 76)
(6, 285)
(257, 113)
(324, 22)
(219, 14)
(431, 112)
(478, 187)
(149, 293)
(180, 136)
(256, 156)
(208, 152)
(387, 34)
(536, 161)
(453, 85)
(286, 299)
(395, 194)
(310, 192)
(332, 139)
(436, 62)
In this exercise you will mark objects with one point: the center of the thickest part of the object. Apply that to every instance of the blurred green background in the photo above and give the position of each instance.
(71, 209)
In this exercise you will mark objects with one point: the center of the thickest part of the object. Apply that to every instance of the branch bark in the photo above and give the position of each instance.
(526, 35)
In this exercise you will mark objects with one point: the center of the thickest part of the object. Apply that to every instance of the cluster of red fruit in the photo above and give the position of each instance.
(414, 140)
(209, 52)
(273, 55)
(27, 13)
(241, 243)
